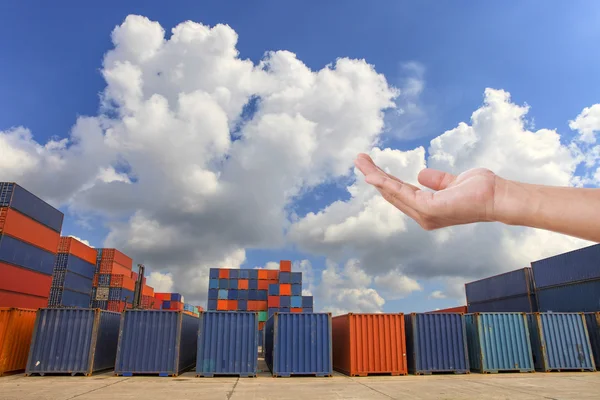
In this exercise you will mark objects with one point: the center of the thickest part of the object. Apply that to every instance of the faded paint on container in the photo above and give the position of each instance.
(16, 252)
(366, 344)
(13, 195)
(499, 342)
(299, 344)
(156, 342)
(574, 297)
(21, 227)
(509, 284)
(228, 344)
(526, 303)
(573, 266)
(560, 342)
(73, 341)
(436, 343)
(593, 327)
(16, 328)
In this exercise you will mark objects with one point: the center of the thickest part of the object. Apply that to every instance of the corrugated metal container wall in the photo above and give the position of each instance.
(156, 342)
(436, 343)
(13, 195)
(498, 342)
(575, 297)
(228, 344)
(73, 341)
(577, 265)
(72, 281)
(19, 253)
(509, 284)
(299, 344)
(366, 344)
(560, 342)
(16, 328)
(69, 262)
(593, 326)
(525, 304)
(21, 227)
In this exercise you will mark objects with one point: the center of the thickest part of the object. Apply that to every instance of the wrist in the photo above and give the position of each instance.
(515, 203)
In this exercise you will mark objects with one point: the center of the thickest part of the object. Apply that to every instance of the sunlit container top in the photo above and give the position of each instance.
(573, 266)
(13, 195)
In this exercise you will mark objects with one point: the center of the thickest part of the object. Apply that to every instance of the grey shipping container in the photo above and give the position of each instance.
(73, 341)
(299, 344)
(499, 342)
(575, 297)
(16, 252)
(228, 344)
(593, 327)
(560, 342)
(14, 196)
(573, 266)
(509, 284)
(156, 342)
(525, 303)
(436, 342)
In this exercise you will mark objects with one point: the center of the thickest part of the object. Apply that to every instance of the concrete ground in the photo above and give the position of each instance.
(102, 386)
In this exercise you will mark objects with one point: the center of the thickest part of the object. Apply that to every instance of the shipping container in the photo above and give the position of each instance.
(285, 277)
(213, 273)
(560, 342)
(16, 328)
(244, 274)
(228, 344)
(69, 262)
(499, 342)
(60, 297)
(509, 284)
(102, 293)
(156, 342)
(118, 257)
(14, 196)
(73, 246)
(296, 290)
(122, 281)
(573, 266)
(117, 306)
(73, 341)
(16, 252)
(120, 294)
(22, 300)
(366, 344)
(146, 290)
(21, 227)
(299, 344)
(524, 303)
(460, 309)
(72, 281)
(285, 266)
(113, 268)
(21, 280)
(593, 327)
(436, 343)
(573, 297)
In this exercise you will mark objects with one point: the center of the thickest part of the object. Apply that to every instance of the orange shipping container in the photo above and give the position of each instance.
(163, 296)
(223, 304)
(273, 301)
(366, 344)
(296, 310)
(146, 290)
(232, 305)
(254, 305)
(17, 225)
(263, 285)
(285, 289)
(73, 246)
(273, 274)
(223, 273)
(273, 281)
(243, 284)
(261, 326)
(21, 300)
(16, 330)
(262, 274)
(118, 257)
(122, 281)
(113, 268)
(285, 266)
(23, 281)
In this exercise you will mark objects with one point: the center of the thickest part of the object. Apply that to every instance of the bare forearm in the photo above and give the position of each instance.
(571, 211)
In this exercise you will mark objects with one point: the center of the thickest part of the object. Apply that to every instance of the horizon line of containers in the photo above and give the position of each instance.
(506, 335)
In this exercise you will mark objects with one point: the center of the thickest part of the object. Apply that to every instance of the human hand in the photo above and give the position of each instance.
(463, 199)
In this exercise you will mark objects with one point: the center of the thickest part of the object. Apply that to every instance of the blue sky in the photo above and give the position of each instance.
(545, 56)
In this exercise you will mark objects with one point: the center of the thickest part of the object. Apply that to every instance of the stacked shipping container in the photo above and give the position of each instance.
(509, 292)
(16, 328)
(114, 283)
(29, 234)
(170, 301)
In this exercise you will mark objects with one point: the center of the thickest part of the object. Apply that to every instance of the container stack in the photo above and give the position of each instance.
(190, 310)
(509, 292)
(569, 282)
(29, 234)
(114, 282)
(72, 279)
(170, 301)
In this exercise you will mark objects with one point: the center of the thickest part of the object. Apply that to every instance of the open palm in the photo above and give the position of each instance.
(462, 199)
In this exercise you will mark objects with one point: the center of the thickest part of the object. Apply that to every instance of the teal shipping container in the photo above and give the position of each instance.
(499, 342)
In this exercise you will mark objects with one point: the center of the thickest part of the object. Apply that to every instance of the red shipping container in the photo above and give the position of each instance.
(122, 281)
(116, 306)
(261, 326)
(243, 284)
(262, 274)
(223, 273)
(262, 305)
(147, 290)
(263, 285)
(458, 310)
(17, 225)
(176, 305)
(273, 274)
(285, 266)
(273, 281)
(157, 304)
(95, 280)
(232, 305)
(118, 257)
(163, 296)
(134, 276)
(252, 305)
(222, 305)
(24, 281)
(73, 246)
(285, 289)
(296, 310)
(20, 300)
(273, 301)
(113, 268)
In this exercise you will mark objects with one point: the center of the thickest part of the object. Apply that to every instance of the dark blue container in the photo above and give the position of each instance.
(245, 274)
(242, 305)
(593, 327)
(253, 295)
(436, 342)
(120, 294)
(72, 281)
(68, 298)
(262, 295)
(228, 344)
(73, 341)
(285, 277)
(284, 301)
(234, 273)
(101, 304)
(223, 283)
(284, 309)
(213, 284)
(272, 311)
(233, 284)
(296, 278)
(574, 297)
(307, 310)
(104, 280)
(14, 196)
(574, 266)
(253, 274)
(299, 344)
(167, 305)
(274, 289)
(253, 284)
(223, 294)
(232, 294)
(296, 290)
(213, 273)
(156, 342)
(523, 303)
(213, 294)
(242, 295)
(175, 297)
(13, 251)
(307, 301)
(69, 262)
(509, 284)
(211, 305)
(296, 302)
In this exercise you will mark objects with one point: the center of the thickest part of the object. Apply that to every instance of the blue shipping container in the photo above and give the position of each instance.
(436, 342)
(156, 342)
(244, 274)
(574, 297)
(13, 195)
(253, 284)
(222, 295)
(307, 301)
(274, 289)
(14, 251)
(296, 302)
(233, 284)
(262, 295)
(223, 283)
(228, 344)
(72, 281)
(593, 327)
(524, 303)
(242, 305)
(104, 280)
(253, 274)
(101, 304)
(509, 284)
(213, 294)
(234, 273)
(296, 277)
(285, 277)
(211, 305)
(560, 342)
(213, 284)
(296, 290)
(499, 342)
(68, 298)
(574, 266)
(285, 301)
(69, 262)
(299, 344)
(232, 294)
(120, 294)
(74, 341)
(253, 295)
(242, 295)
(213, 273)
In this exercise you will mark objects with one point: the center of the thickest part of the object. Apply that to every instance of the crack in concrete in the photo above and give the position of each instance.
(101, 387)
(233, 388)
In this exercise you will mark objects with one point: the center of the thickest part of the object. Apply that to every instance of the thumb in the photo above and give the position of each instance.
(434, 179)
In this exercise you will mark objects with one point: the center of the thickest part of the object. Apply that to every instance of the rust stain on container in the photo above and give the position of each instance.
(16, 329)
(367, 344)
